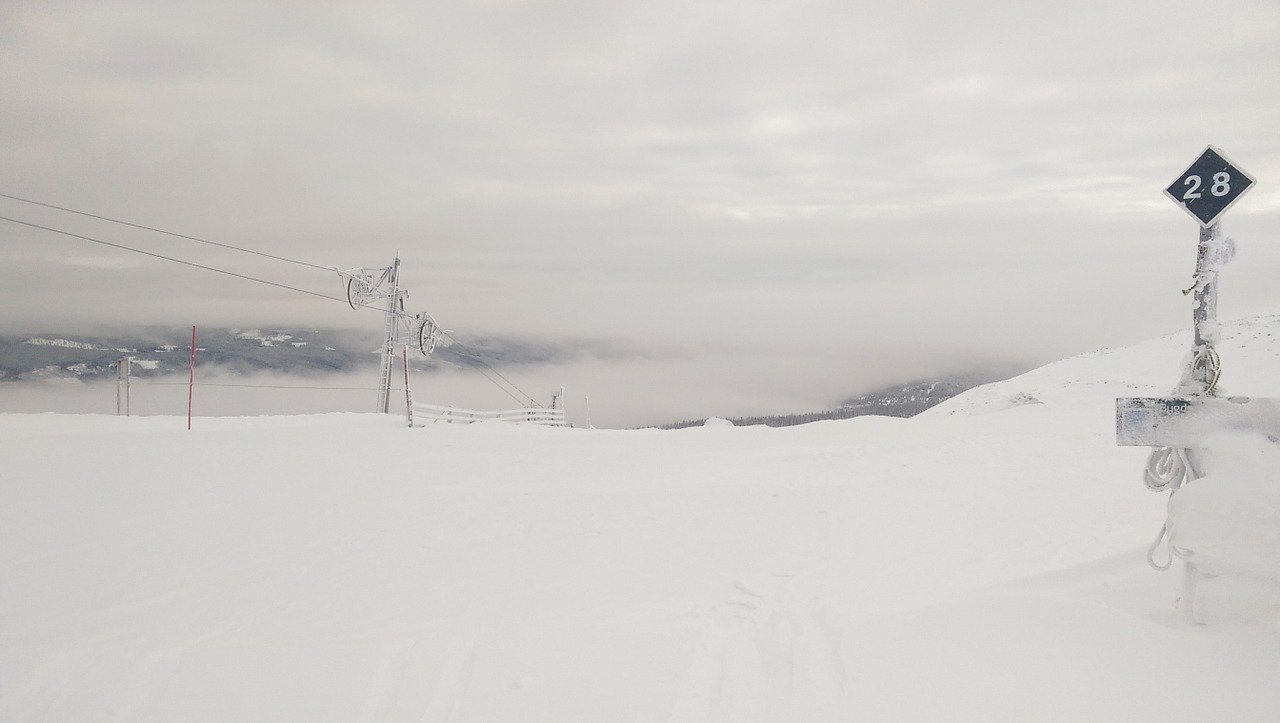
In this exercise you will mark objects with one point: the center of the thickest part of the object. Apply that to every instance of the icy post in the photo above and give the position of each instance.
(366, 286)
(123, 369)
(1195, 432)
(1203, 368)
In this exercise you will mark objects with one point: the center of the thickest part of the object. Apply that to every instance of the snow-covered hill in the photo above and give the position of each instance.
(1249, 348)
(982, 560)
(898, 400)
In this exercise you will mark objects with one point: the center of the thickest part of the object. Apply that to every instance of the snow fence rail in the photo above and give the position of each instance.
(428, 414)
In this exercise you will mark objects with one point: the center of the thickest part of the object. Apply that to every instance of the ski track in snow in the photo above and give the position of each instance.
(763, 656)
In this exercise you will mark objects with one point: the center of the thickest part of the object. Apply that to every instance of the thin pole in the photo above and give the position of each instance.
(1204, 371)
(191, 376)
(390, 336)
(408, 397)
(1205, 311)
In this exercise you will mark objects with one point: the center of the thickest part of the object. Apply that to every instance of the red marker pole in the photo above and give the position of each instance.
(191, 376)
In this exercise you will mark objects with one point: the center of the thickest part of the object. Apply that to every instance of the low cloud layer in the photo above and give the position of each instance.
(618, 391)
(900, 184)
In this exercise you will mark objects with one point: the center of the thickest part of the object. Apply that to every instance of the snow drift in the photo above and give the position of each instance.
(984, 559)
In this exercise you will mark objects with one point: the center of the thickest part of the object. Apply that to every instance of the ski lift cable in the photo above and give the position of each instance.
(495, 371)
(275, 284)
(173, 234)
(492, 381)
(193, 264)
(149, 383)
(176, 235)
(170, 258)
(162, 231)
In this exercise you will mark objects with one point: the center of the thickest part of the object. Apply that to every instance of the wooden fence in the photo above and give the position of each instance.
(428, 414)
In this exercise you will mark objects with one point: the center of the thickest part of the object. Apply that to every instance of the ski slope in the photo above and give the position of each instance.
(982, 560)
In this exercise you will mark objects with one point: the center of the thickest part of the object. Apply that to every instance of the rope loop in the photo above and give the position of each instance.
(1166, 469)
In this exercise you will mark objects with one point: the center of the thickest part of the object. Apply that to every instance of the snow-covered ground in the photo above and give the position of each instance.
(984, 560)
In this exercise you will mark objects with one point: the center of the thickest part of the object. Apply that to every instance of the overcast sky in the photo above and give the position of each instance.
(908, 186)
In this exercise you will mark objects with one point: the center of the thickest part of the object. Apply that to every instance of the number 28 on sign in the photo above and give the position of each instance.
(1209, 186)
(1221, 185)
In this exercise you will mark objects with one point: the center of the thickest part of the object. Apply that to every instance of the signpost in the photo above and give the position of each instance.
(1185, 422)
(1177, 426)
(1209, 186)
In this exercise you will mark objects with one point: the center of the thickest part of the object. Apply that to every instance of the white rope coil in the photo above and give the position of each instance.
(1166, 468)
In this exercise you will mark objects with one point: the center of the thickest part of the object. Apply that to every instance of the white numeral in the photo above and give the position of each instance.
(1194, 191)
(1221, 184)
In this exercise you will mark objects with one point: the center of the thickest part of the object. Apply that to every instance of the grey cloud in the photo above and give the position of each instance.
(913, 177)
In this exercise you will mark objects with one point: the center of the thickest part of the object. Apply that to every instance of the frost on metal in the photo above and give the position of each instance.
(1185, 422)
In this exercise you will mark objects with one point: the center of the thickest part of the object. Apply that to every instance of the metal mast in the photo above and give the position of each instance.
(366, 287)
(391, 336)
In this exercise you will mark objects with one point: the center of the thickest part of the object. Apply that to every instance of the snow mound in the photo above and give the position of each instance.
(345, 567)
(1228, 522)
(1249, 349)
(717, 422)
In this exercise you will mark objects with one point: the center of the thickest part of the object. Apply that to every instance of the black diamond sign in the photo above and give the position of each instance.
(1209, 186)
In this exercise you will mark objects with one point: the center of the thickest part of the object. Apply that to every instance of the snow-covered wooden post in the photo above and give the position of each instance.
(123, 370)
(1176, 426)
(1204, 310)
(408, 395)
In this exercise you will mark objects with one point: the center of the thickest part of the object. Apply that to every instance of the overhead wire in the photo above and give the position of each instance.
(170, 258)
(246, 277)
(518, 400)
(495, 371)
(162, 231)
(145, 382)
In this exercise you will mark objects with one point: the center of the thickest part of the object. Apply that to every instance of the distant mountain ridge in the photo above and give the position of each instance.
(902, 400)
(159, 351)
(163, 351)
